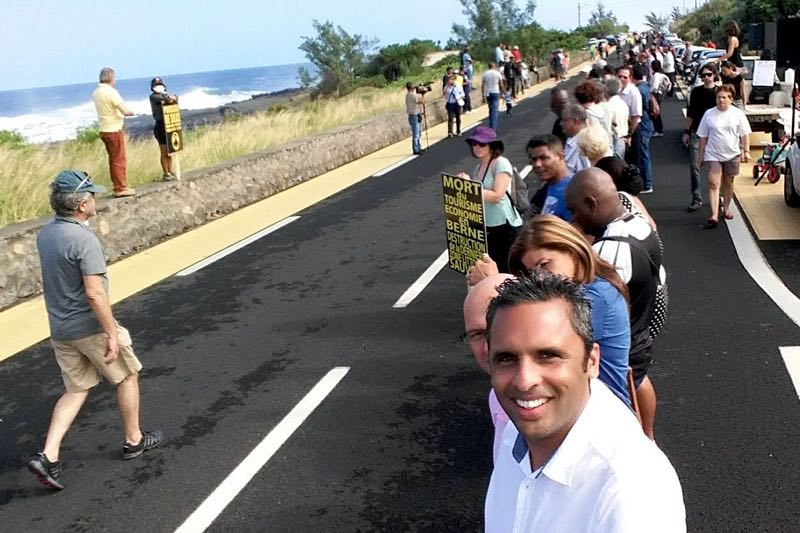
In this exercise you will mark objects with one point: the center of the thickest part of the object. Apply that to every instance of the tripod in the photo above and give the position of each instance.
(425, 120)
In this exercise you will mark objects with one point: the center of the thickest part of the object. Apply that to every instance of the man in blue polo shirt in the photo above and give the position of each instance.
(87, 340)
(546, 153)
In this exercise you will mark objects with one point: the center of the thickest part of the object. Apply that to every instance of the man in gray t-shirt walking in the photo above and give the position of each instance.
(88, 342)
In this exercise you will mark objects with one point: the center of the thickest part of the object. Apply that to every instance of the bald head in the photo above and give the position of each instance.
(475, 305)
(593, 199)
(559, 98)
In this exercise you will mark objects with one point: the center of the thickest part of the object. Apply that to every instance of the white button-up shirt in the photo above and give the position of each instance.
(606, 476)
(633, 98)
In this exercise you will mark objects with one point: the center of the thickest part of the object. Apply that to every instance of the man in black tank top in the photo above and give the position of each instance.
(628, 242)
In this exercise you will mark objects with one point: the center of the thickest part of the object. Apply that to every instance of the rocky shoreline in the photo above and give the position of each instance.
(142, 125)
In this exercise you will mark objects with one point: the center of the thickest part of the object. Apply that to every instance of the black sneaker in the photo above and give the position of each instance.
(694, 206)
(49, 474)
(150, 440)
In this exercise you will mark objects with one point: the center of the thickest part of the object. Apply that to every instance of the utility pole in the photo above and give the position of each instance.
(579, 12)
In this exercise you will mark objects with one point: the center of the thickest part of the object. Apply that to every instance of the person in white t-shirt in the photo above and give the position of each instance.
(492, 86)
(632, 98)
(574, 458)
(620, 114)
(724, 134)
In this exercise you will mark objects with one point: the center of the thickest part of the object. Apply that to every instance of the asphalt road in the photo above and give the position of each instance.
(403, 443)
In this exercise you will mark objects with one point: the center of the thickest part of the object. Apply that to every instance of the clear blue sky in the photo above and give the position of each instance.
(58, 43)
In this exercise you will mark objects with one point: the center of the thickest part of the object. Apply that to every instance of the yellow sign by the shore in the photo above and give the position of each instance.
(465, 225)
(172, 125)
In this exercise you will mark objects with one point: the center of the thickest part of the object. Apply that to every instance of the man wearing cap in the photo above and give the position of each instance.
(111, 111)
(88, 342)
(158, 99)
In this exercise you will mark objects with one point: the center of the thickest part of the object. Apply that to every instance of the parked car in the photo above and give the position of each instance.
(690, 68)
(791, 181)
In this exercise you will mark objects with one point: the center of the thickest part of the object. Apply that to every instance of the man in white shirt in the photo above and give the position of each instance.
(574, 458)
(492, 86)
(668, 66)
(632, 98)
(618, 110)
(574, 120)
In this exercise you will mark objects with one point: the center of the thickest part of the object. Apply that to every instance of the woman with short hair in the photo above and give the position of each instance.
(724, 134)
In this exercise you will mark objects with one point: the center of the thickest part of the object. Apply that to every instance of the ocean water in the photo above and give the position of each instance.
(48, 114)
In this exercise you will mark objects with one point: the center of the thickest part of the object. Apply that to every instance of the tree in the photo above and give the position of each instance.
(601, 22)
(338, 56)
(655, 22)
(488, 21)
(398, 60)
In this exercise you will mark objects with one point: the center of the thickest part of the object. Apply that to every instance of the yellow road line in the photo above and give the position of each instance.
(26, 324)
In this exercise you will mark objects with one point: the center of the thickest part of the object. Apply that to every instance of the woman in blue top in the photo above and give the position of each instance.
(556, 246)
(496, 174)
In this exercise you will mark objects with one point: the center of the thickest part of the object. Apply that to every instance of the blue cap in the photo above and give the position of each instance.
(75, 181)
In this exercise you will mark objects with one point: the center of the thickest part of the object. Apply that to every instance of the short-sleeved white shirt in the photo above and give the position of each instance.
(633, 99)
(606, 476)
(723, 130)
(491, 82)
(619, 115)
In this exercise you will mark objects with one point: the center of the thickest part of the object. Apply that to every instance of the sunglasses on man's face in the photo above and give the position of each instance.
(706, 75)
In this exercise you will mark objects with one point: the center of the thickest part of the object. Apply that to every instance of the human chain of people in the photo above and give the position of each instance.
(566, 284)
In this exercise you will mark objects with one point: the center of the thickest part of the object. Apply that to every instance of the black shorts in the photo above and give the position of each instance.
(160, 133)
(640, 363)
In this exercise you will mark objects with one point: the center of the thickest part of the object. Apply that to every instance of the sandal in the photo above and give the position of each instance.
(728, 215)
(710, 224)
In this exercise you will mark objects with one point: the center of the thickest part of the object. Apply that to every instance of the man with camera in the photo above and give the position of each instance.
(415, 107)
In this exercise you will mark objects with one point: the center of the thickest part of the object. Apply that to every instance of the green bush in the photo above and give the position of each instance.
(12, 139)
(88, 135)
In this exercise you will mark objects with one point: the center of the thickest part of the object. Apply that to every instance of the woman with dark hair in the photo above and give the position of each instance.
(732, 52)
(550, 243)
(629, 184)
(496, 174)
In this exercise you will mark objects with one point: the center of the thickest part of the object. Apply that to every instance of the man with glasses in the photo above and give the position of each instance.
(475, 305)
(88, 342)
(701, 99)
(633, 99)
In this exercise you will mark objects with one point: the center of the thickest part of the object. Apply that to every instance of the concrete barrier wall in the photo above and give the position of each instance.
(162, 210)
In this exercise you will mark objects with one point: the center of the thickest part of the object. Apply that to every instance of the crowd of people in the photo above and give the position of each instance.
(564, 309)
(562, 312)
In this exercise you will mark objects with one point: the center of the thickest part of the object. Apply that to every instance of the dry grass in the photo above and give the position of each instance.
(25, 173)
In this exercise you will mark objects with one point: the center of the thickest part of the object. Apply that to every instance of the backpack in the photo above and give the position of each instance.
(659, 316)
(519, 191)
(665, 86)
(519, 194)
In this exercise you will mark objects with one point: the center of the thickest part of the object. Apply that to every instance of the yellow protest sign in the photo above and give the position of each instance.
(465, 225)
(172, 125)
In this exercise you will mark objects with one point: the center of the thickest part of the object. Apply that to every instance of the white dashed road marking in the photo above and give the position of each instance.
(224, 494)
